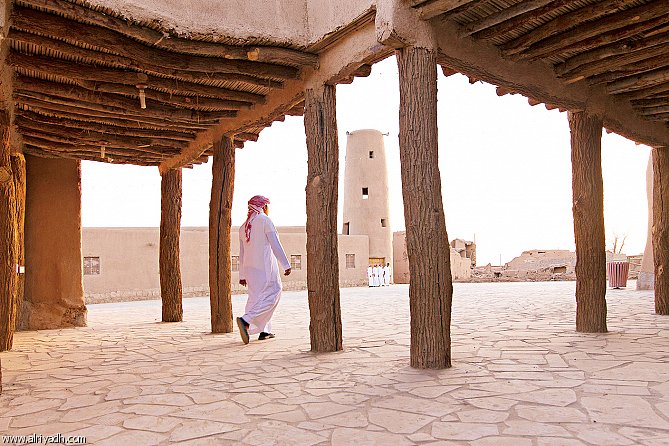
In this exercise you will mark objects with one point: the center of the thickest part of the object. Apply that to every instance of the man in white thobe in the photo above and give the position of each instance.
(377, 275)
(259, 250)
(370, 275)
(386, 274)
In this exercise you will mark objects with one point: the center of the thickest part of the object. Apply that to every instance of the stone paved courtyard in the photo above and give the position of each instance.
(521, 375)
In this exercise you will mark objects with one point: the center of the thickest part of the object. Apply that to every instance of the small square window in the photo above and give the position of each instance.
(371, 154)
(365, 193)
(296, 262)
(350, 261)
(91, 266)
(383, 222)
(235, 263)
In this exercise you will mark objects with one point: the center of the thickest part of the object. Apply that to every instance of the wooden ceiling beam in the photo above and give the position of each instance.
(616, 62)
(439, 7)
(645, 92)
(74, 52)
(637, 82)
(72, 109)
(105, 129)
(80, 72)
(561, 24)
(87, 156)
(190, 102)
(600, 54)
(632, 69)
(124, 106)
(57, 142)
(659, 110)
(151, 37)
(614, 27)
(502, 16)
(72, 31)
(34, 85)
(46, 144)
(518, 20)
(96, 138)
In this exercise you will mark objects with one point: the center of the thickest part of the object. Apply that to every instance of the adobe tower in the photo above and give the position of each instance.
(366, 209)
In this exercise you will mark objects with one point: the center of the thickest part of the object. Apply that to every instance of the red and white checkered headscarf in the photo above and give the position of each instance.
(256, 205)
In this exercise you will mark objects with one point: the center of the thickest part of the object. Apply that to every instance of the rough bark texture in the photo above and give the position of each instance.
(661, 229)
(19, 172)
(8, 239)
(320, 123)
(431, 288)
(220, 221)
(170, 228)
(588, 199)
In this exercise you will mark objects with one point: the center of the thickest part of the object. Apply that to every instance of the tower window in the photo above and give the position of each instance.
(350, 261)
(383, 222)
(365, 193)
(296, 262)
(346, 228)
(234, 263)
(371, 154)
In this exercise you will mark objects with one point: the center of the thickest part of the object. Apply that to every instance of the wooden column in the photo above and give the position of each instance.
(8, 238)
(320, 124)
(170, 228)
(588, 199)
(661, 229)
(220, 221)
(431, 288)
(19, 173)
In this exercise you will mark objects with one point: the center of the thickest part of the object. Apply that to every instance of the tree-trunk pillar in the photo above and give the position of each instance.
(220, 221)
(661, 228)
(588, 199)
(320, 123)
(8, 239)
(170, 229)
(19, 172)
(431, 288)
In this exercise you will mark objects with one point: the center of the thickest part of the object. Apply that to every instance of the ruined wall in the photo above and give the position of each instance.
(54, 294)
(461, 267)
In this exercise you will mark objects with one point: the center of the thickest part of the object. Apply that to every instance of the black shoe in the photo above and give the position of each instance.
(243, 330)
(264, 336)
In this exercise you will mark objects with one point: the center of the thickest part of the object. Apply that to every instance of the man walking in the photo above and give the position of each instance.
(259, 250)
(370, 275)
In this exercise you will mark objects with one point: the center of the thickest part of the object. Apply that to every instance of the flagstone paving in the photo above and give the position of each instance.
(521, 375)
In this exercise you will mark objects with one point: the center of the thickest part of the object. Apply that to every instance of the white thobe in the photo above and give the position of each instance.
(370, 275)
(386, 275)
(258, 266)
(377, 276)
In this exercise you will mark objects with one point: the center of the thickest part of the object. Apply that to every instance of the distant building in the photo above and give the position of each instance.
(122, 263)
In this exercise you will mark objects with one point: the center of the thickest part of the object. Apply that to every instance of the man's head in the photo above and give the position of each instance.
(259, 204)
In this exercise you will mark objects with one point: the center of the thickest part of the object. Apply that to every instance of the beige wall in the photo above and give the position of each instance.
(364, 215)
(129, 261)
(54, 295)
(461, 267)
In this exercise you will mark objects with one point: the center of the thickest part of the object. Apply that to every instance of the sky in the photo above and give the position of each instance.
(505, 170)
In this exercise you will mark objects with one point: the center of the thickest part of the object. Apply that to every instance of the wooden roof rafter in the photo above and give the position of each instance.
(87, 72)
(614, 51)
